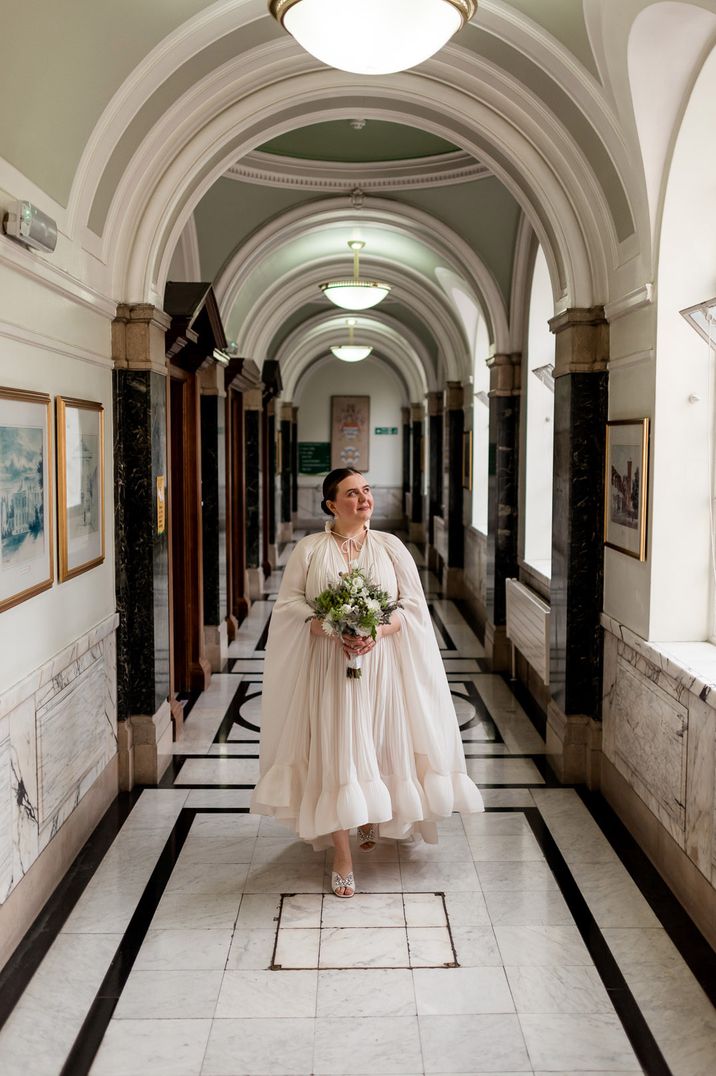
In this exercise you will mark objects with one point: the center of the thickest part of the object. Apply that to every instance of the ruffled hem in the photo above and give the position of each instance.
(398, 806)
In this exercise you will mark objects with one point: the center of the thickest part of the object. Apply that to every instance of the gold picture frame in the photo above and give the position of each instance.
(80, 486)
(27, 555)
(626, 483)
(467, 460)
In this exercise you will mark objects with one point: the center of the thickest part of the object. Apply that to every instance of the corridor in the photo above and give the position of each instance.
(191, 937)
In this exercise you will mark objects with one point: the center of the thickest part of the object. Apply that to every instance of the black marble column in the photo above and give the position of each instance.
(454, 430)
(270, 479)
(141, 550)
(503, 499)
(252, 432)
(405, 414)
(286, 427)
(417, 530)
(294, 461)
(435, 469)
(580, 415)
(210, 505)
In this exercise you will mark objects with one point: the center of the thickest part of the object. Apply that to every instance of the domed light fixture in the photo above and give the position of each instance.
(372, 37)
(355, 294)
(351, 352)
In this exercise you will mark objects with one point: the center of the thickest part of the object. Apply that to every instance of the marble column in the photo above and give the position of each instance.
(294, 463)
(502, 506)
(271, 493)
(141, 543)
(253, 414)
(417, 526)
(454, 427)
(405, 422)
(580, 415)
(436, 407)
(213, 500)
(284, 530)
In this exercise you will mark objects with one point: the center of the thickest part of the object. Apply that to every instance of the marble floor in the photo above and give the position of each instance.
(192, 938)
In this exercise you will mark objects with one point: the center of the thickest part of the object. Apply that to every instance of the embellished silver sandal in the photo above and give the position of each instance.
(366, 838)
(337, 882)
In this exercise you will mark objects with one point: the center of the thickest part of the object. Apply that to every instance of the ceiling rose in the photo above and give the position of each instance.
(372, 37)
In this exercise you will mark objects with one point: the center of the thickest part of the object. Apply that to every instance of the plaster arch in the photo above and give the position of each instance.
(427, 301)
(341, 212)
(386, 335)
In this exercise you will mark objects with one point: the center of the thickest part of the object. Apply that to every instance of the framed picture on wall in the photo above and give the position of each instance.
(26, 546)
(80, 485)
(626, 481)
(467, 459)
(350, 432)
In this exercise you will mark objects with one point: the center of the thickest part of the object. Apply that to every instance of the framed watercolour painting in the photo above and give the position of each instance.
(80, 485)
(350, 429)
(626, 479)
(26, 547)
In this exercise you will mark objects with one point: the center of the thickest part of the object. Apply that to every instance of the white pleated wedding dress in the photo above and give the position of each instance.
(338, 752)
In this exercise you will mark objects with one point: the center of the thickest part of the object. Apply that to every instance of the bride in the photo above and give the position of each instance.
(381, 752)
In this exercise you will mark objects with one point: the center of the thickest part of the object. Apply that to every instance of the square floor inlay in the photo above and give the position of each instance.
(369, 930)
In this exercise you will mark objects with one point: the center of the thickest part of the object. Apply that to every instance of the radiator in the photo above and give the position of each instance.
(528, 626)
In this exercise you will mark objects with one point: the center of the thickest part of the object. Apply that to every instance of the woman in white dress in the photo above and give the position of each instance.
(381, 752)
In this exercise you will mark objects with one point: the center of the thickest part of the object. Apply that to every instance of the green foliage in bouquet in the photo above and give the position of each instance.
(353, 606)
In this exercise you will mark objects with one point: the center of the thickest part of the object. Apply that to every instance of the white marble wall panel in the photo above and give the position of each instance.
(648, 739)
(58, 731)
(700, 783)
(25, 827)
(440, 531)
(5, 813)
(388, 503)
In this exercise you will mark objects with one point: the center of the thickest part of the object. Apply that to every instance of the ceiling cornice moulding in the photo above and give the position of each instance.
(271, 170)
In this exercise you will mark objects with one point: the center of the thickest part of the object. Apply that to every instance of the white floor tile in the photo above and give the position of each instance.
(266, 1046)
(525, 875)
(152, 1047)
(578, 1043)
(346, 947)
(365, 910)
(424, 910)
(504, 771)
(482, 1043)
(528, 907)
(297, 948)
(436, 877)
(184, 950)
(467, 909)
(218, 771)
(379, 1045)
(162, 995)
(476, 947)
(251, 949)
(178, 911)
(302, 910)
(545, 946)
(558, 990)
(274, 994)
(487, 848)
(635, 946)
(462, 991)
(258, 910)
(429, 947)
(380, 992)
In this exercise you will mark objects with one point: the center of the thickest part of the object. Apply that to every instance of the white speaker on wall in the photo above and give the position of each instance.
(24, 221)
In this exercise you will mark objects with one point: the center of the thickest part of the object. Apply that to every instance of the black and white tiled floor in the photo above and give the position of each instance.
(192, 938)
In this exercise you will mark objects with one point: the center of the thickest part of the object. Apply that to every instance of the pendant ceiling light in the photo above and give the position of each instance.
(372, 37)
(355, 294)
(351, 352)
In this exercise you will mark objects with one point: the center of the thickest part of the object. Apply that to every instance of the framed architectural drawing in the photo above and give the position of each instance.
(350, 430)
(26, 547)
(80, 485)
(626, 480)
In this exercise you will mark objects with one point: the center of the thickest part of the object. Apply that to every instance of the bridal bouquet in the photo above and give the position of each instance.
(353, 606)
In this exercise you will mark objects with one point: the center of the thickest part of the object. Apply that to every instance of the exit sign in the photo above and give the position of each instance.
(386, 429)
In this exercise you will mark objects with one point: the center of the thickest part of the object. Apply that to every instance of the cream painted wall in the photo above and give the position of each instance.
(50, 343)
(368, 378)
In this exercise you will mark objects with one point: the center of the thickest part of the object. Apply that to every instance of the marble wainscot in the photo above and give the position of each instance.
(659, 758)
(58, 742)
(475, 574)
(388, 513)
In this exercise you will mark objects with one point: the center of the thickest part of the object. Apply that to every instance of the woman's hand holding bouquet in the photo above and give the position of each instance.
(354, 608)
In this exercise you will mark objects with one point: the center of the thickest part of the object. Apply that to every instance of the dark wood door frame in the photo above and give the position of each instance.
(240, 376)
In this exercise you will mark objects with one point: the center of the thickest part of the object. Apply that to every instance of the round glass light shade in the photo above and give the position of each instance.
(355, 294)
(372, 37)
(351, 352)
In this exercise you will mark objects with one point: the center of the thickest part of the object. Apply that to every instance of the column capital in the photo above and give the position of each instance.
(285, 411)
(139, 337)
(405, 415)
(436, 403)
(454, 395)
(505, 374)
(294, 414)
(271, 406)
(582, 341)
(417, 412)
(253, 400)
(211, 380)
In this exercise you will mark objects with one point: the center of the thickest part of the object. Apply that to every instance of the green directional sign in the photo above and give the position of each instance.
(314, 457)
(386, 429)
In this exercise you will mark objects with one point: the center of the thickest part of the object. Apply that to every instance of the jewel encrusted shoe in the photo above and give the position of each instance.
(366, 838)
(337, 882)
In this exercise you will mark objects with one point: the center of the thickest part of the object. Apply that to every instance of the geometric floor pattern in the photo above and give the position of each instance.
(192, 938)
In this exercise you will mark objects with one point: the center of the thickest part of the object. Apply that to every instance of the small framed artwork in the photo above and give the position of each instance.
(26, 546)
(350, 429)
(80, 485)
(626, 481)
(467, 459)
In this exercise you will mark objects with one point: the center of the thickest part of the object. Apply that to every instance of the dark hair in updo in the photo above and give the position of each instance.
(331, 483)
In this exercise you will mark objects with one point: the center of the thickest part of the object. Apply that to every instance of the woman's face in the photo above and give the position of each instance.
(354, 500)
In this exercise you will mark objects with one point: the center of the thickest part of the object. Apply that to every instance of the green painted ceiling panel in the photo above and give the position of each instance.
(564, 19)
(338, 141)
